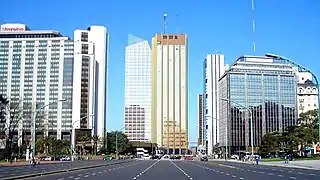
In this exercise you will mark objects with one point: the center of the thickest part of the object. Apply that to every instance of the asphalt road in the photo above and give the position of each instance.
(9, 171)
(185, 170)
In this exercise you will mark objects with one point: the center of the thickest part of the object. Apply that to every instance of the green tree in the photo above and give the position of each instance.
(95, 139)
(83, 140)
(123, 142)
(271, 143)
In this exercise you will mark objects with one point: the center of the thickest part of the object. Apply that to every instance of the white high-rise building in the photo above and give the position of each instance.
(91, 76)
(214, 68)
(138, 90)
(35, 73)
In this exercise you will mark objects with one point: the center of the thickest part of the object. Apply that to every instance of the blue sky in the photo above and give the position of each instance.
(288, 28)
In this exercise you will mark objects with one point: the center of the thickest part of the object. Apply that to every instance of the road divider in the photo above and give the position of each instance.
(63, 170)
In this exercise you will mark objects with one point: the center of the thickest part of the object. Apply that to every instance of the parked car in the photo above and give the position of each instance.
(188, 157)
(204, 158)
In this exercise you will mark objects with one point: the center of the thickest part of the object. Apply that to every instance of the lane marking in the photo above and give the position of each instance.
(280, 175)
(138, 175)
(292, 177)
(181, 170)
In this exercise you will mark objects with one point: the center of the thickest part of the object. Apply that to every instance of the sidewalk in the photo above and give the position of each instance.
(21, 163)
(306, 164)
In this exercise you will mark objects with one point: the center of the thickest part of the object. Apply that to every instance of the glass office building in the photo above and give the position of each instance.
(265, 86)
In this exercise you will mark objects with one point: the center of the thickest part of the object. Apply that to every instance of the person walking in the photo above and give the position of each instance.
(33, 161)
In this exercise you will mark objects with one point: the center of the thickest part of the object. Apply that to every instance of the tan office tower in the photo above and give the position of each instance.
(169, 125)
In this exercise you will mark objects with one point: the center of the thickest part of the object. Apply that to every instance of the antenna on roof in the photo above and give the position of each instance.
(253, 27)
(177, 23)
(165, 22)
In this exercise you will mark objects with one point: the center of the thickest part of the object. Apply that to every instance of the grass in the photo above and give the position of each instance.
(295, 159)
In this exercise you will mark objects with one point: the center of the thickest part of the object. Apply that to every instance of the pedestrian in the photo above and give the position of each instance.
(257, 160)
(33, 161)
(286, 159)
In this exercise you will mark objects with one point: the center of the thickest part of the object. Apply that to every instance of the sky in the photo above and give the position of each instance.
(287, 28)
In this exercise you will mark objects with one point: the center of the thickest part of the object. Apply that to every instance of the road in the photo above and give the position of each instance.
(9, 171)
(185, 170)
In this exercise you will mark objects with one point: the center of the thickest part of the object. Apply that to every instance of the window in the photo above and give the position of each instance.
(206, 80)
(206, 96)
(206, 111)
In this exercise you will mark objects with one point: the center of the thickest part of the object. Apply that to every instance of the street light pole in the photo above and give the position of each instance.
(226, 135)
(305, 70)
(72, 139)
(251, 124)
(34, 124)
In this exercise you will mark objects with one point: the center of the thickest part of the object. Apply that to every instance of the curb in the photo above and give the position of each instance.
(60, 171)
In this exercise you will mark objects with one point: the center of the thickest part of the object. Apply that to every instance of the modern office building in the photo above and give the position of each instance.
(40, 68)
(36, 69)
(267, 87)
(138, 90)
(91, 79)
(307, 93)
(170, 92)
(200, 119)
(213, 68)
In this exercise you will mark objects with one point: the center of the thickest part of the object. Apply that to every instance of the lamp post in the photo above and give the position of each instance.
(117, 141)
(72, 140)
(275, 56)
(251, 124)
(34, 124)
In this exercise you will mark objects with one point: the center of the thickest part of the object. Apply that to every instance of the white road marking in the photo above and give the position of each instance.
(312, 174)
(93, 174)
(261, 172)
(280, 175)
(61, 179)
(241, 178)
(86, 176)
(292, 177)
(181, 170)
(270, 174)
(234, 176)
(300, 172)
(70, 177)
(76, 178)
(138, 175)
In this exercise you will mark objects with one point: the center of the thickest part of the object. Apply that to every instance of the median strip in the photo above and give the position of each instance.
(61, 171)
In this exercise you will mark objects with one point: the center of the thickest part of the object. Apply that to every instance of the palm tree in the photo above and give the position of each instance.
(95, 139)
(83, 140)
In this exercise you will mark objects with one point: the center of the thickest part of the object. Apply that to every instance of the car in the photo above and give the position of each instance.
(204, 158)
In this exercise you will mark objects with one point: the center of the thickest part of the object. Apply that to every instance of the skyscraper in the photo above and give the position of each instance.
(200, 119)
(39, 68)
(36, 69)
(170, 92)
(91, 77)
(265, 86)
(138, 89)
(214, 68)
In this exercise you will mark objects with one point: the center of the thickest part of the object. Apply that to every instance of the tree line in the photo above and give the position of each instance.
(295, 138)
(12, 116)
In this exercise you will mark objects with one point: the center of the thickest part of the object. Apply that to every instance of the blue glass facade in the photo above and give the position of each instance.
(268, 89)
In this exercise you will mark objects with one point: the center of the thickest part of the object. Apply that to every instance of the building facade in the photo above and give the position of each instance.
(91, 79)
(307, 93)
(213, 69)
(170, 92)
(63, 80)
(36, 69)
(200, 119)
(138, 90)
(267, 87)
